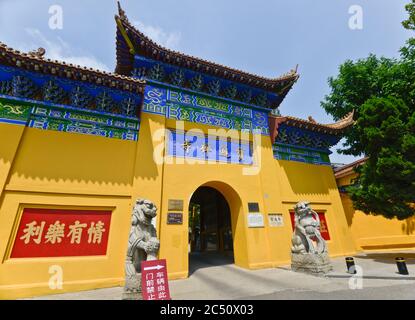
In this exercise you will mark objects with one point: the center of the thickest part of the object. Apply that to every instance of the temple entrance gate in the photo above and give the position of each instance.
(210, 227)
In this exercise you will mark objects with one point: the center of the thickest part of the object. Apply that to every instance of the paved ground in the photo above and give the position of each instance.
(215, 277)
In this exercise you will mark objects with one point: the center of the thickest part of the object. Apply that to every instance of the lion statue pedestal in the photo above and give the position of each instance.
(305, 255)
(143, 245)
(311, 263)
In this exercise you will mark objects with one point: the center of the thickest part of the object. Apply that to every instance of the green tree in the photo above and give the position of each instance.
(381, 91)
(410, 22)
(361, 80)
(386, 183)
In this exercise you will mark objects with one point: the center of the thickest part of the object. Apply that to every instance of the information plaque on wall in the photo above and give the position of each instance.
(253, 207)
(255, 220)
(275, 220)
(175, 205)
(174, 218)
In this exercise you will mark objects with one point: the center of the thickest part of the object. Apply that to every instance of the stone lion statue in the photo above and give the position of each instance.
(307, 230)
(143, 245)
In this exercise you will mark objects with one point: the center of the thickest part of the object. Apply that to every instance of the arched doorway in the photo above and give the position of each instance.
(210, 227)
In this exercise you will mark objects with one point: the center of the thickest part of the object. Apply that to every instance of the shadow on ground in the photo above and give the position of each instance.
(388, 257)
(206, 260)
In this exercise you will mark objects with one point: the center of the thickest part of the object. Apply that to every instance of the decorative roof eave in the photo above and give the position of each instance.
(274, 123)
(336, 128)
(134, 41)
(34, 61)
(348, 168)
(333, 128)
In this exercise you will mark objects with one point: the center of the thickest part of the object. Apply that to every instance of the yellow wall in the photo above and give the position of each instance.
(277, 187)
(67, 170)
(316, 184)
(376, 232)
(60, 170)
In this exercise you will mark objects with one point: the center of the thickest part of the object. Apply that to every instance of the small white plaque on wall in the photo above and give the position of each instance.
(255, 220)
(275, 220)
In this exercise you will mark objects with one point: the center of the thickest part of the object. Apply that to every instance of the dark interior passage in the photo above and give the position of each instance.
(210, 229)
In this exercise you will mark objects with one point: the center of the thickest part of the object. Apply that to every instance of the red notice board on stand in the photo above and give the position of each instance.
(154, 281)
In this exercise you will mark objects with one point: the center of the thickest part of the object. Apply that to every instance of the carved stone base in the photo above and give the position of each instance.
(132, 296)
(318, 264)
(132, 288)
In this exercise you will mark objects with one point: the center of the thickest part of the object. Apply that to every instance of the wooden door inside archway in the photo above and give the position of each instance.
(210, 228)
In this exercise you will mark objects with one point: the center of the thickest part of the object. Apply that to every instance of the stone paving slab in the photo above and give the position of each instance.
(218, 278)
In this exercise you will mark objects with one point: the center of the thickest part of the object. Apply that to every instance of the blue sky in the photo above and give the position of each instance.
(266, 37)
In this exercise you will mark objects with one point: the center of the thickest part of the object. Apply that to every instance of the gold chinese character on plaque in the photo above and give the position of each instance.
(205, 148)
(76, 231)
(55, 233)
(95, 232)
(33, 230)
(224, 152)
(186, 146)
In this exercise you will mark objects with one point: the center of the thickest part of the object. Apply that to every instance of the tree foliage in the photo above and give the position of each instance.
(386, 183)
(410, 22)
(381, 91)
(359, 81)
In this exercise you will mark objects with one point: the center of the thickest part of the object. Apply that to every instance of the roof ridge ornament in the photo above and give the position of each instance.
(39, 53)
(121, 12)
(346, 121)
(290, 73)
(294, 71)
(35, 61)
(137, 42)
(311, 119)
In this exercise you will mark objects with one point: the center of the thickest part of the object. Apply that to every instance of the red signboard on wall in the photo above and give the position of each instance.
(324, 229)
(154, 282)
(61, 233)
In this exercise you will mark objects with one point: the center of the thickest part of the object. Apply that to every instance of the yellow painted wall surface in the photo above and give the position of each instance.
(67, 170)
(376, 232)
(316, 184)
(59, 170)
(277, 186)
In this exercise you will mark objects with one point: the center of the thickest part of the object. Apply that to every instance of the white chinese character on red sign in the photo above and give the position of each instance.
(33, 230)
(55, 233)
(76, 231)
(95, 232)
(162, 295)
(149, 275)
(149, 283)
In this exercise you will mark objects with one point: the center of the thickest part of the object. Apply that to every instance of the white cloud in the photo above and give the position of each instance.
(169, 40)
(60, 50)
